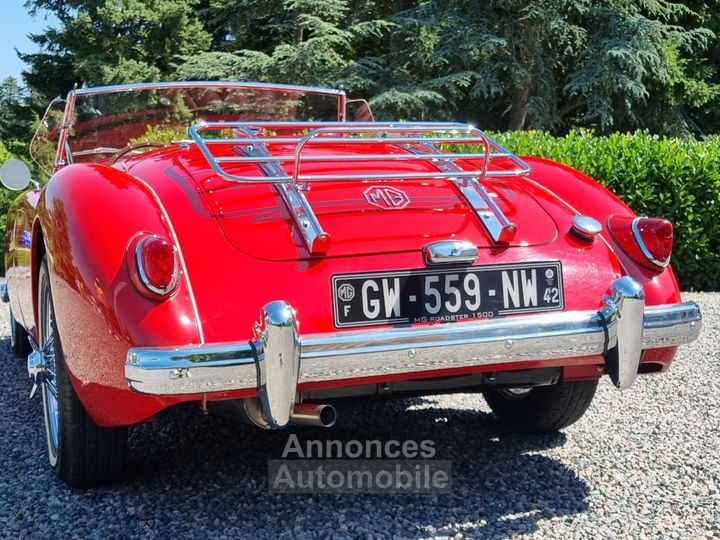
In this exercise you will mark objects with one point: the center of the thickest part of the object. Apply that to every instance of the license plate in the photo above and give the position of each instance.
(448, 295)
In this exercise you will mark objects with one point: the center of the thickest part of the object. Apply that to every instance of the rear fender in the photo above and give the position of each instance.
(583, 195)
(89, 214)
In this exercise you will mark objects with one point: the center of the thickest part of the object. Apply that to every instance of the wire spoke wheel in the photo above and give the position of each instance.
(49, 388)
(81, 453)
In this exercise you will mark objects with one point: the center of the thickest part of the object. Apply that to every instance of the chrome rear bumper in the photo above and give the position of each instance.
(277, 358)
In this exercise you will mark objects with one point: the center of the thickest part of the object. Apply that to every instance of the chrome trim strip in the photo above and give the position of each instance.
(645, 251)
(391, 351)
(180, 255)
(450, 252)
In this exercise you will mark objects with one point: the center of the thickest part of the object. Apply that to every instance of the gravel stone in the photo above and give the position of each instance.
(643, 463)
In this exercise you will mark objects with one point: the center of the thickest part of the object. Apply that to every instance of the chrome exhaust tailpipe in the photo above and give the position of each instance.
(249, 410)
(313, 414)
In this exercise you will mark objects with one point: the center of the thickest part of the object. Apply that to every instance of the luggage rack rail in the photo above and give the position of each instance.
(412, 142)
(247, 133)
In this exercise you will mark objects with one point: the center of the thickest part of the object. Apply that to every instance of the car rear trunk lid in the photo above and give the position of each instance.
(365, 217)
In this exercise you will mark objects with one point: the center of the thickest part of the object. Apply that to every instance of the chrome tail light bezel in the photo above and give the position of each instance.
(634, 226)
(626, 234)
(139, 274)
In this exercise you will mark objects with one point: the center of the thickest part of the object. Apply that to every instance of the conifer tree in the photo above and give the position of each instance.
(543, 64)
(291, 41)
(549, 64)
(112, 41)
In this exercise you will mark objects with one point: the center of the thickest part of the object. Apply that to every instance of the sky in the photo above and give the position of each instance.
(15, 24)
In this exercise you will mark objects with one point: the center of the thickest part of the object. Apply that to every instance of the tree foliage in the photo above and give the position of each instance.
(112, 41)
(17, 117)
(550, 64)
(301, 42)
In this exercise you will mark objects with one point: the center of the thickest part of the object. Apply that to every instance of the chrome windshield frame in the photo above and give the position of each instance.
(62, 148)
(199, 84)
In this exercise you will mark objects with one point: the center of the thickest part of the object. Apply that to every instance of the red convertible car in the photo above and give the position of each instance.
(249, 248)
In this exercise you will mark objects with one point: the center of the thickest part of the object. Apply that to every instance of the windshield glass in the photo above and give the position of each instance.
(105, 122)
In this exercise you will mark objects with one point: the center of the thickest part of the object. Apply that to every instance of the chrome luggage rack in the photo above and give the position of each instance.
(418, 141)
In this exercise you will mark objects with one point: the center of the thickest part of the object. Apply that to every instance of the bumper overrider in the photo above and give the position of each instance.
(278, 358)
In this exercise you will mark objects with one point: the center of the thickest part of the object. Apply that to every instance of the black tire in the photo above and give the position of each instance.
(544, 409)
(18, 338)
(85, 454)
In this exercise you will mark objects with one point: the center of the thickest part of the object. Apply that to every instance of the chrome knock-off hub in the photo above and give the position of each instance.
(37, 364)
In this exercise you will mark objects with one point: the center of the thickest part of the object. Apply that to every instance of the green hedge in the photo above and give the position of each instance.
(678, 179)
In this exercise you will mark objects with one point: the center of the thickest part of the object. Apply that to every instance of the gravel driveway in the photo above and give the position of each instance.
(644, 463)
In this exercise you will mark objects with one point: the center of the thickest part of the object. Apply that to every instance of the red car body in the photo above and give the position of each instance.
(239, 248)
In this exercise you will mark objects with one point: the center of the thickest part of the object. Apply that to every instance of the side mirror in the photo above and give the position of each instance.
(15, 175)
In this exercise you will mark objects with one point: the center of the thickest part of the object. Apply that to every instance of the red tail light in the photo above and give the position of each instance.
(157, 265)
(647, 240)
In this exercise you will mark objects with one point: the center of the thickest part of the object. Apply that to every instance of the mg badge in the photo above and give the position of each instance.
(346, 292)
(386, 197)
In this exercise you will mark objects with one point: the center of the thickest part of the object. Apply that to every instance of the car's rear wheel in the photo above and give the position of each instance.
(18, 338)
(81, 453)
(543, 409)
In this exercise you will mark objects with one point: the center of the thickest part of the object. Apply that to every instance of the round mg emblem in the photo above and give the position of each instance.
(346, 292)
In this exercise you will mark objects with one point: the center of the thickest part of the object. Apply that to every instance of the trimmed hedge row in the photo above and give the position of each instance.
(678, 179)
